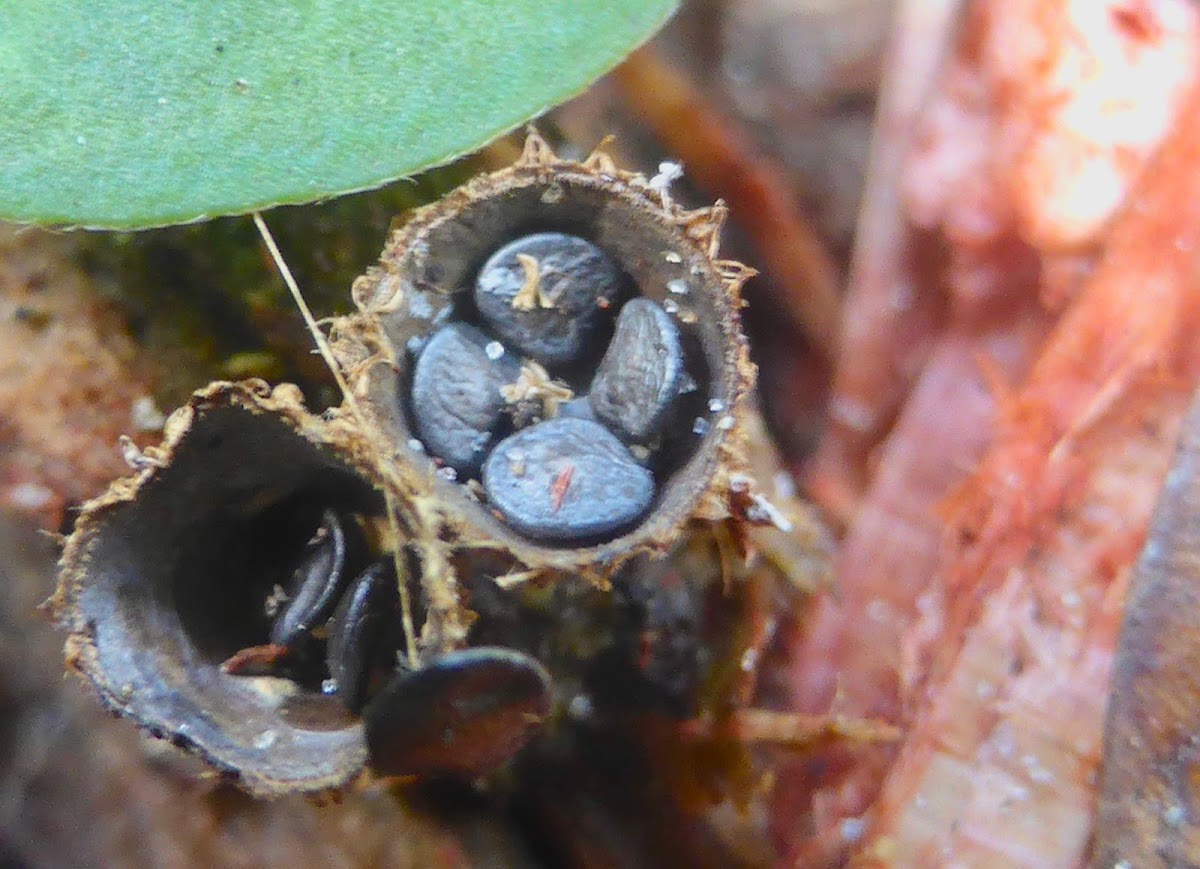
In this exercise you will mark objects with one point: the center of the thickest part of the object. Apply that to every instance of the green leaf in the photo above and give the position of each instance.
(149, 112)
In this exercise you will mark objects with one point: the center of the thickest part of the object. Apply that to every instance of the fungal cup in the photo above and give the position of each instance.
(497, 256)
(165, 576)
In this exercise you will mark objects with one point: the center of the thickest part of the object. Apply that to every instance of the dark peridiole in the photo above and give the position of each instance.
(567, 479)
(642, 375)
(465, 714)
(546, 293)
(316, 583)
(358, 632)
(456, 399)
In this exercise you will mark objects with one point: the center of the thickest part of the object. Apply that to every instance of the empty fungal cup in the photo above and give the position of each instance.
(166, 575)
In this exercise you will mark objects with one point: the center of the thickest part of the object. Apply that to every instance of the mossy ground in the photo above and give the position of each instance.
(209, 295)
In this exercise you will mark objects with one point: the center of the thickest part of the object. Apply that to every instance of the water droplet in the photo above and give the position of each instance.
(581, 708)
(265, 739)
(420, 306)
(700, 426)
(678, 287)
(853, 829)
(716, 405)
(494, 350)
(668, 173)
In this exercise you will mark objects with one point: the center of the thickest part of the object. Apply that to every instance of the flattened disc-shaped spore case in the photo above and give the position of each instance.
(442, 267)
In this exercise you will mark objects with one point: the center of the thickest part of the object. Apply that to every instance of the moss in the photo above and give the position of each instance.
(208, 296)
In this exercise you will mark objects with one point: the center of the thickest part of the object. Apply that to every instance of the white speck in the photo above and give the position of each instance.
(740, 483)
(672, 257)
(726, 423)
(1004, 742)
(678, 287)
(901, 298)
(853, 829)
(329, 686)
(1038, 774)
(265, 740)
(1071, 599)
(162, 101)
(80, 140)
(494, 350)
(715, 405)
(763, 511)
(516, 463)
(133, 455)
(448, 473)
(639, 452)
(1174, 816)
(670, 170)
(1041, 776)
(30, 496)
(749, 660)
(276, 599)
(420, 306)
(785, 486)
(700, 426)
(1122, 864)
(581, 708)
(668, 173)
(689, 384)
(696, 270)
(852, 413)
(145, 415)
(671, 306)
(415, 445)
